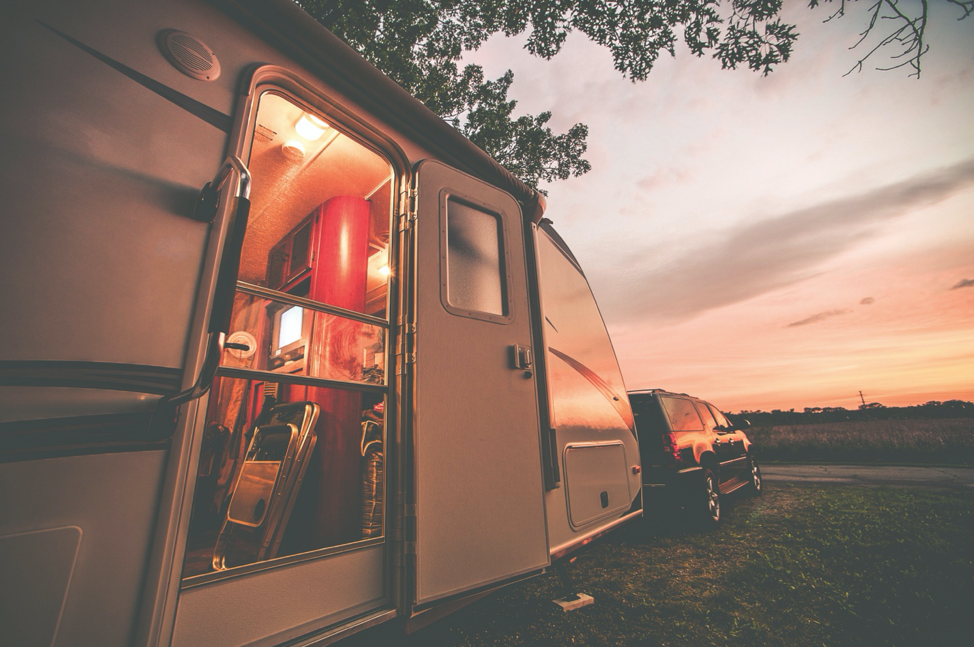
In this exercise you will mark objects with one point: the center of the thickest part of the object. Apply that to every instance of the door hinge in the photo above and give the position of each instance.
(407, 341)
(409, 530)
(412, 201)
(403, 360)
(406, 221)
(408, 216)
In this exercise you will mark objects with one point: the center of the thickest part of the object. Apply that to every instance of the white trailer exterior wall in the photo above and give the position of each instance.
(108, 285)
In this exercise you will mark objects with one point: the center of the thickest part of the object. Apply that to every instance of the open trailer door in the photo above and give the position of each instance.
(477, 467)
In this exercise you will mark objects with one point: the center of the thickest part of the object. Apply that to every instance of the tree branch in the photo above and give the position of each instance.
(907, 36)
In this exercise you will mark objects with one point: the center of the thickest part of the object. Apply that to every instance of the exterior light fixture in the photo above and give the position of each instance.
(384, 270)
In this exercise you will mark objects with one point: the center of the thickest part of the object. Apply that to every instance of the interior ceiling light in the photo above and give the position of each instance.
(293, 149)
(310, 127)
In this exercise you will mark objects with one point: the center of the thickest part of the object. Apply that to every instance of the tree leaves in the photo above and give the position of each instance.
(526, 146)
(906, 33)
(419, 43)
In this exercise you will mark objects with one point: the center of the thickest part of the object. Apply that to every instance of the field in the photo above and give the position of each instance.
(795, 567)
(914, 442)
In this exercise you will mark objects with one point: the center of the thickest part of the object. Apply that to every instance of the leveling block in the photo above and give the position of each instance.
(573, 602)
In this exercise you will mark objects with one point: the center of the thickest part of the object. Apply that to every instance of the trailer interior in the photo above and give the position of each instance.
(312, 302)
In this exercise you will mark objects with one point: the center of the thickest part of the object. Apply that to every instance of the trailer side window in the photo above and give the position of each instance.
(293, 443)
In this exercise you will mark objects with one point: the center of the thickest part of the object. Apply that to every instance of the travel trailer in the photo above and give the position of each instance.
(284, 356)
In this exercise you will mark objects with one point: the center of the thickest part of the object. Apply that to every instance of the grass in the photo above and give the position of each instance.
(916, 442)
(795, 567)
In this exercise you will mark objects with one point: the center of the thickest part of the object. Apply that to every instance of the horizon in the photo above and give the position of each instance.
(773, 242)
(869, 407)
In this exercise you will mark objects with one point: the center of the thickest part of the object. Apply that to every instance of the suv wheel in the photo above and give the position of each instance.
(754, 472)
(709, 505)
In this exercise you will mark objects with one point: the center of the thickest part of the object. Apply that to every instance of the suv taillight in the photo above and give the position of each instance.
(671, 448)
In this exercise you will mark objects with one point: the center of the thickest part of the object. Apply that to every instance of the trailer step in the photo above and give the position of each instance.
(572, 600)
(576, 601)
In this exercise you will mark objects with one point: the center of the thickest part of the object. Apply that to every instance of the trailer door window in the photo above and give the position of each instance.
(473, 261)
(293, 443)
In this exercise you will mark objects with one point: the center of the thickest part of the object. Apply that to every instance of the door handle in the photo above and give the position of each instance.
(522, 359)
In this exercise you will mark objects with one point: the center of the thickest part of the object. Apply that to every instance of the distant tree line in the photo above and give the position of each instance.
(812, 415)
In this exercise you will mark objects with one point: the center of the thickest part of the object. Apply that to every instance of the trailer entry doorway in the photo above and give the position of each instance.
(287, 528)
(480, 516)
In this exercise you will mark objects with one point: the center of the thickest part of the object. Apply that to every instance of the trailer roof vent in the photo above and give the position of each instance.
(189, 55)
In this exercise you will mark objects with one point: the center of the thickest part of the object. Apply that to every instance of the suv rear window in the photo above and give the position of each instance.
(649, 417)
(682, 414)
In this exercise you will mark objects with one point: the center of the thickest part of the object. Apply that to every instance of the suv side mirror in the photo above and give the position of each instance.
(733, 426)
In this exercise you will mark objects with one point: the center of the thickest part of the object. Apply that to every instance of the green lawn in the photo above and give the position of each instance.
(798, 566)
(907, 442)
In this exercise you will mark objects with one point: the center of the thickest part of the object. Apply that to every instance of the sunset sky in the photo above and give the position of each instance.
(781, 241)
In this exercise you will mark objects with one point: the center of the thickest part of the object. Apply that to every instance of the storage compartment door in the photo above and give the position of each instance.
(596, 478)
(478, 485)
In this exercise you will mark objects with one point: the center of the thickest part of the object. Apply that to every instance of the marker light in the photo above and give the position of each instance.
(310, 127)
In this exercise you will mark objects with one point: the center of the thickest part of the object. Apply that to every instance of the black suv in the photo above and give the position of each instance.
(692, 452)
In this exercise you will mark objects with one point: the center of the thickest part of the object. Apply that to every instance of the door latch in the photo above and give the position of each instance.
(522, 359)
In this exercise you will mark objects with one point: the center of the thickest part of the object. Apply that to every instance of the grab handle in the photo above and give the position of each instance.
(210, 198)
